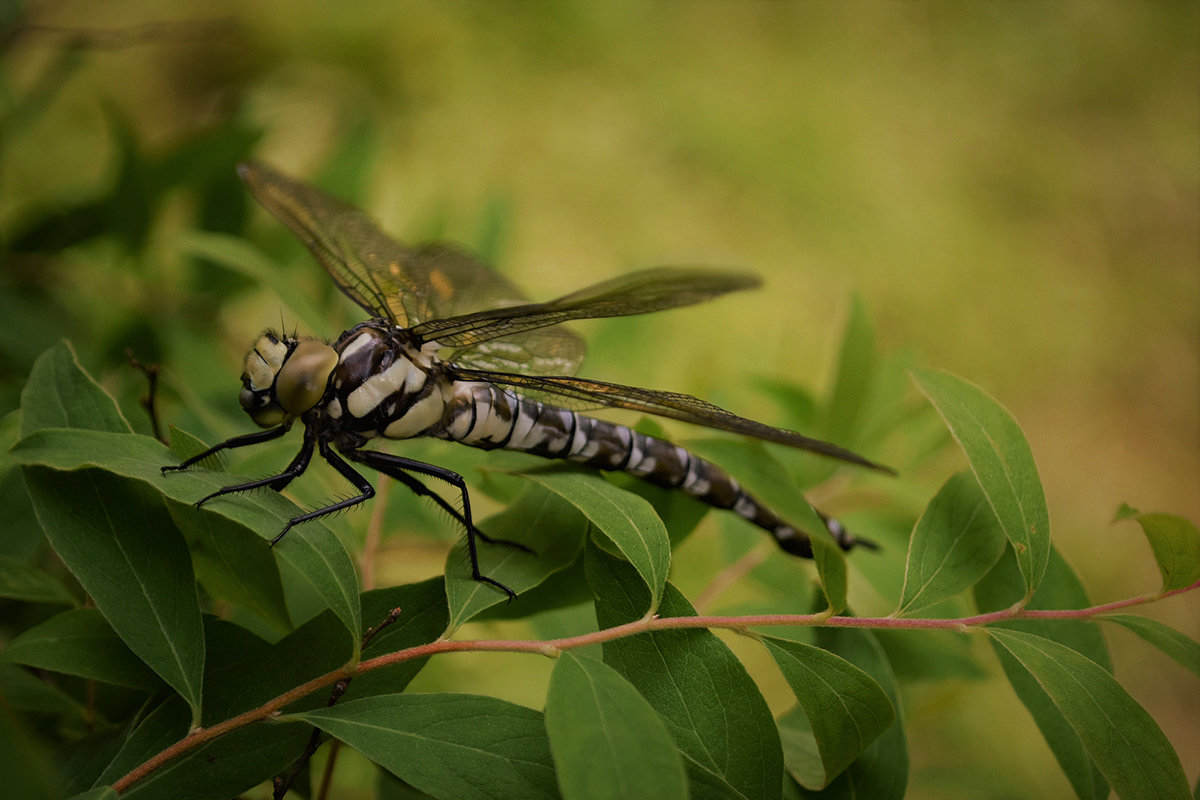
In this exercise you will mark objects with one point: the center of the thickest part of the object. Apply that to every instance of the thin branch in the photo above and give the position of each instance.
(553, 647)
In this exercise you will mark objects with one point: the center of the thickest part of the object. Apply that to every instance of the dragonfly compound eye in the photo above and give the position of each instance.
(304, 375)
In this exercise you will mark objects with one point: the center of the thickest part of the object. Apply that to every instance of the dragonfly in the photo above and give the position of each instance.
(452, 350)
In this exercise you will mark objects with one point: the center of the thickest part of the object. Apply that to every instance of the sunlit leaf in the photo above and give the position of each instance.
(956, 541)
(1002, 462)
(845, 707)
(1123, 740)
(1178, 646)
(59, 394)
(541, 520)
(712, 708)
(627, 520)
(1176, 545)
(881, 771)
(451, 746)
(1061, 589)
(606, 740)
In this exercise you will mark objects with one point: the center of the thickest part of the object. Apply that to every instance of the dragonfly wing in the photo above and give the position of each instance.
(636, 293)
(555, 350)
(406, 285)
(673, 405)
(428, 287)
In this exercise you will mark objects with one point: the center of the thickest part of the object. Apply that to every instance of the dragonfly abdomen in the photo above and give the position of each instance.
(486, 416)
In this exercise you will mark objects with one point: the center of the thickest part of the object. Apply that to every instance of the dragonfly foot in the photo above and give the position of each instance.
(491, 582)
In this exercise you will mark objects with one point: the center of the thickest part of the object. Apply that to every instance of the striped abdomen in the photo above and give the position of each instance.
(487, 416)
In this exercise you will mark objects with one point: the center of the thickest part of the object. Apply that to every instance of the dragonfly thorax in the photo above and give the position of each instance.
(283, 377)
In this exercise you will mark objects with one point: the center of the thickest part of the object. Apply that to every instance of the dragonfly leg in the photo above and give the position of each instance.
(258, 437)
(401, 469)
(365, 490)
(385, 463)
(276, 482)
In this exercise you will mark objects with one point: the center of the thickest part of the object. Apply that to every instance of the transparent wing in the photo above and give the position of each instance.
(409, 285)
(635, 293)
(406, 285)
(672, 405)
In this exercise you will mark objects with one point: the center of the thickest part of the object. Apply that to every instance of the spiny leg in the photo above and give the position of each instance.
(277, 482)
(258, 437)
(365, 492)
(400, 468)
(386, 463)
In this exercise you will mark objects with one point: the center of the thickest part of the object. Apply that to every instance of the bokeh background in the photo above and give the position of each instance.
(1012, 190)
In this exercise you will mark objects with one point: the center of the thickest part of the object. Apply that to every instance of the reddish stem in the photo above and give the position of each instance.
(554, 646)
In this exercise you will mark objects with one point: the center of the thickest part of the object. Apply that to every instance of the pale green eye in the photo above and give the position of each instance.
(304, 376)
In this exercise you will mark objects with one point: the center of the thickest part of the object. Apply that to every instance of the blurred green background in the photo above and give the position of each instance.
(1012, 189)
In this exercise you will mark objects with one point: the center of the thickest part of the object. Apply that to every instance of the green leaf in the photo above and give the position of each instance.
(226, 766)
(845, 707)
(627, 520)
(154, 730)
(881, 772)
(232, 564)
(19, 581)
(712, 708)
(99, 793)
(1176, 545)
(1122, 738)
(606, 740)
(452, 746)
(311, 550)
(1061, 589)
(766, 479)
(423, 618)
(1178, 646)
(1002, 462)
(955, 542)
(118, 540)
(1125, 511)
(59, 394)
(22, 537)
(856, 366)
(23, 691)
(243, 671)
(80, 642)
(537, 518)
(23, 761)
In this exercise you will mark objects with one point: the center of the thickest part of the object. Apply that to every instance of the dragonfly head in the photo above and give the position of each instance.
(283, 377)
